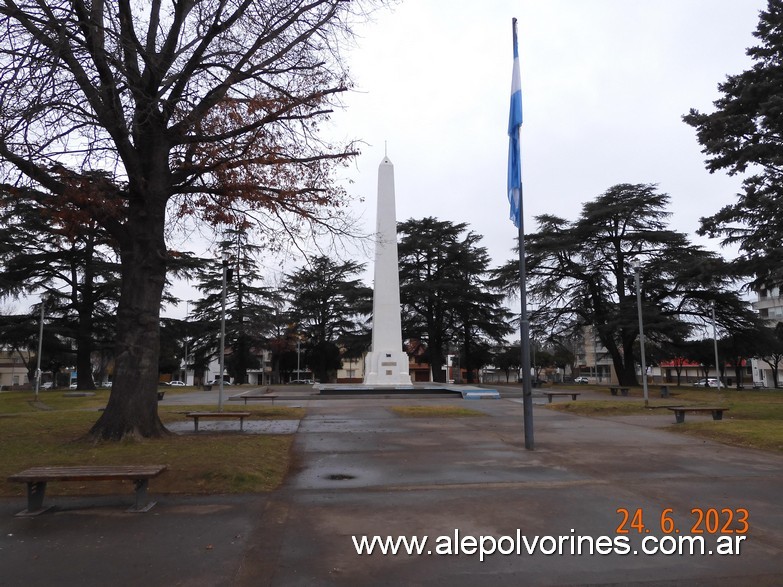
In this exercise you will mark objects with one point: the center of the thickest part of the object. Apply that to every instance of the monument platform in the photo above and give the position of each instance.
(414, 389)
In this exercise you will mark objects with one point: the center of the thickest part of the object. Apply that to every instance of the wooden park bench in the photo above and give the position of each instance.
(615, 388)
(37, 478)
(679, 412)
(551, 394)
(217, 416)
(250, 396)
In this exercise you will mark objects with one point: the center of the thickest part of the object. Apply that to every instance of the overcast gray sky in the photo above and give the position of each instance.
(604, 84)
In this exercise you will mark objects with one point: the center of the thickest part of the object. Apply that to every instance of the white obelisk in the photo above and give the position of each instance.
(386, 363)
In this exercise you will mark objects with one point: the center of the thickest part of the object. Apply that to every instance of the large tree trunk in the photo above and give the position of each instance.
(435, 355)
(622, 361)
(84, 301)
(132, 410)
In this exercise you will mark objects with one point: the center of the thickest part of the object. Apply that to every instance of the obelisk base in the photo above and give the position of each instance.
(386, 368)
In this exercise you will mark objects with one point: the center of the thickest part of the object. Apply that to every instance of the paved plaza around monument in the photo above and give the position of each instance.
(359, 469)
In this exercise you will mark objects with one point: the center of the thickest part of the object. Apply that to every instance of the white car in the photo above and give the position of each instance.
(217, 382)
(581, 380)
(177, 383)
(47, 385)
(710, 382)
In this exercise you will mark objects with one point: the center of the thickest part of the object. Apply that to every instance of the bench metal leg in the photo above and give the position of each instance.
(142, 504)
(573, 396)
(36, 490)
(614, 391)
(679, 416)
(549, 397)
(717, 414)
(241, 424)
(195, 422)
(624, 392)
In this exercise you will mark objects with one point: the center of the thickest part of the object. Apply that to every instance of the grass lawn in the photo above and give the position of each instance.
(50, 433)
(754, 419)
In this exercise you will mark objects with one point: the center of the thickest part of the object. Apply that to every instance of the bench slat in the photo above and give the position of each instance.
(84, 473)
(245, 397)
(38, 477)
(218, 414)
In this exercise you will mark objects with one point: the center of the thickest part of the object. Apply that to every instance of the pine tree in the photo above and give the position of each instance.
(444, 294)
(249, 307)
(743, 136)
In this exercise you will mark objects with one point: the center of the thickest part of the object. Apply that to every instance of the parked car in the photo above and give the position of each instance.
(217, 382)
(73, 386)
(582, 380)
(178, 383)
(47, 385)
(301, 382)
(710, 382)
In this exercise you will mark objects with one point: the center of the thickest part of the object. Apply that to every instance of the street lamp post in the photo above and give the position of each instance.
(715, 343)
(40, 347)
(222, 332)
(636, 267)
(185, 364)
(297, 361)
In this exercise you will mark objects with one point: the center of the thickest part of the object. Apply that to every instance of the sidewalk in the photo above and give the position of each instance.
(361, 470)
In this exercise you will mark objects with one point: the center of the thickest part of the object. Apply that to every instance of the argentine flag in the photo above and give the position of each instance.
(514, 124)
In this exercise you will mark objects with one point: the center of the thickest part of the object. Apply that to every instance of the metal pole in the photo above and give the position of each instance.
(185, 371)
(297, 361)
(715, 342)
(524, 333)
(514, 184)
(40, 347)
(641, 332)
(222, 333)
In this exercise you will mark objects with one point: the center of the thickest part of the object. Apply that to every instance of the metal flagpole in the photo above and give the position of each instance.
(524, 333)
(515, 200)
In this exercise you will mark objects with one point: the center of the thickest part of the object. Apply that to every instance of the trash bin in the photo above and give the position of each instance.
(207, 388)
(664, 391)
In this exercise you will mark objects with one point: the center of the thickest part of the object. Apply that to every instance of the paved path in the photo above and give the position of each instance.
(359, 469)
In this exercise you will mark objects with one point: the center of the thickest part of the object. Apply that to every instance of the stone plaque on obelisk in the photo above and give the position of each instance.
(386, 363)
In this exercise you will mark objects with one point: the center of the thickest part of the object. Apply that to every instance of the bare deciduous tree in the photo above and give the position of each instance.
(206, 108)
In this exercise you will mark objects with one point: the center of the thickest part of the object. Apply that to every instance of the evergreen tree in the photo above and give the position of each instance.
(582, 273)
(45, 247)
(249, 307)
(328, 304)
(743, 135)
(444, 294)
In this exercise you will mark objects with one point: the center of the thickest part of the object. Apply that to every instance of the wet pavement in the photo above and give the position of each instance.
(361, 470)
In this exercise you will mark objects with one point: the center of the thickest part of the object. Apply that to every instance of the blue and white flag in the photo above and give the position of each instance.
(514, 124)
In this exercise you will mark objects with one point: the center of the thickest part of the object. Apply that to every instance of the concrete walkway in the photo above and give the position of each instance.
(360, 470)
